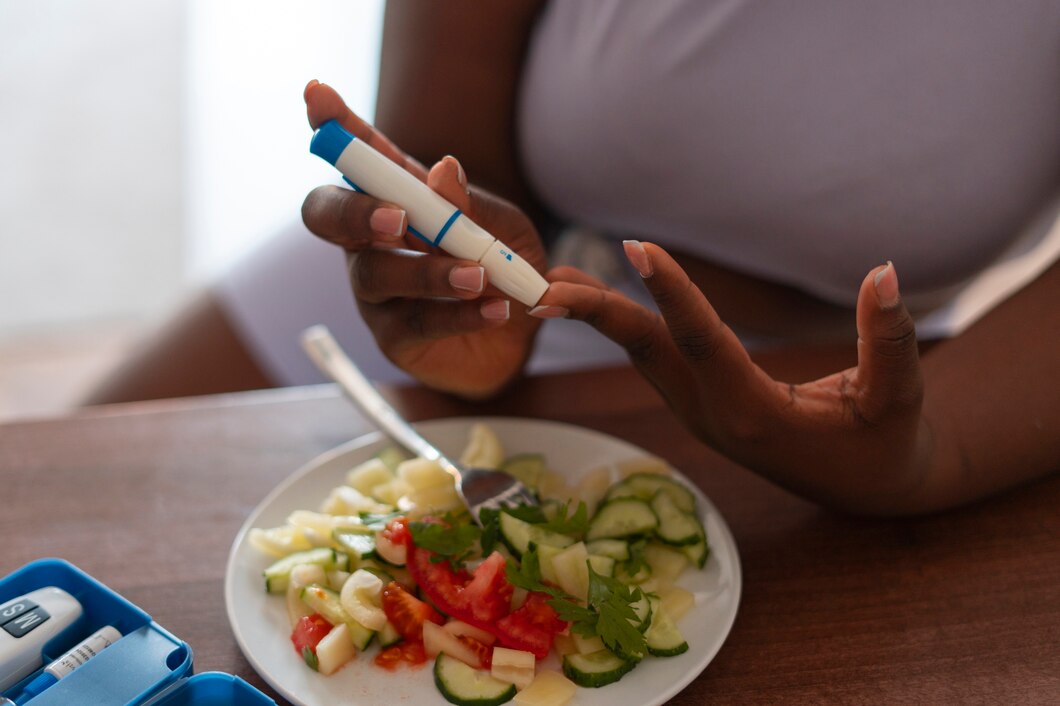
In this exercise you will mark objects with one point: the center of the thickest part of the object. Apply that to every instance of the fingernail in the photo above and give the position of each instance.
(460, 176)
(388, 221)
(638, 257)
(495, 309)
(886, 283)
(550, 312)
(469, 279)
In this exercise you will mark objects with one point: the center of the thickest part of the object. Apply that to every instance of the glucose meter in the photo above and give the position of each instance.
(27, 623)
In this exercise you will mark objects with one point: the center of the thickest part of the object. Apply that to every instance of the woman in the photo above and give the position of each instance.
(782, 154)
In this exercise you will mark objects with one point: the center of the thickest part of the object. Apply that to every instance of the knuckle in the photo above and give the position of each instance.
(353, 216)
(415, 319)
(696, 345)
(742, 430)
(364, 276)
(897, 339)
(675, 297)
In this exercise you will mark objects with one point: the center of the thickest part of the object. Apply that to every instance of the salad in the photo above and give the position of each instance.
(393, 559)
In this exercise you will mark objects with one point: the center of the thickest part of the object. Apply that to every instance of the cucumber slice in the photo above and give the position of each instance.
(360, 635)
(518, 534)
(526, 468)
(663, 637)
(358, 542)
(614, 548)
(596, 669)
(279, 573)
(698, 553)
(465, 686)
(327, 604)
(622, 517)
(646, 485)
(603, 565)
(676, 527)
(389, 635)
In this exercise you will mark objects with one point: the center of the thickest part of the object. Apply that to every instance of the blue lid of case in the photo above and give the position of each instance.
(212, 689)
(148, 665)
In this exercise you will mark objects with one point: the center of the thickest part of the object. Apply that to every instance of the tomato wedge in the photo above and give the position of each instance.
(531, 627)
(411, 653)
(478, 599)
(406, 612)
(307, 634)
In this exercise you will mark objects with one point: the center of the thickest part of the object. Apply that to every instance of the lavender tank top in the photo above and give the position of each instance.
(804, 142)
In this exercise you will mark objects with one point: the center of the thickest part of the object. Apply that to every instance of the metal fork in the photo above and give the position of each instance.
(479, 488)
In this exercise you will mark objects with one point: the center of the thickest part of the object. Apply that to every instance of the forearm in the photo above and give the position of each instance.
(992, 399)
(448, 85)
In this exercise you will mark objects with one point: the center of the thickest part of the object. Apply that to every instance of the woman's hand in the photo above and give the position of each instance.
(432, 315)
(855, 440)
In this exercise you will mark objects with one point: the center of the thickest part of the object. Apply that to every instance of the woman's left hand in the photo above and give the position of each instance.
(854, 440)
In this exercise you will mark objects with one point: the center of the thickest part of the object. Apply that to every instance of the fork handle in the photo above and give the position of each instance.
(329, 357)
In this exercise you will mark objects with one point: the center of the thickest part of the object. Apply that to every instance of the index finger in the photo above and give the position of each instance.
(641, 332)
(323, 103)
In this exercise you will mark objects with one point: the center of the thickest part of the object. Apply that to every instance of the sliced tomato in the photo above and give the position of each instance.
(531, 627)
(397, 531)
(479, 598)
(406, 612)
(483, 651)
(411, 653)
(307, 634)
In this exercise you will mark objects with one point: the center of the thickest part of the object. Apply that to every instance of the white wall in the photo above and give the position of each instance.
(143, 146)
(248, 139)
(90, 96)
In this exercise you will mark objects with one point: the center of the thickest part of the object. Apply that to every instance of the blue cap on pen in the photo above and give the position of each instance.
(329, 141)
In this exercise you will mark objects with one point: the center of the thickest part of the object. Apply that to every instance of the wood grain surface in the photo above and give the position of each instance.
(962, 607)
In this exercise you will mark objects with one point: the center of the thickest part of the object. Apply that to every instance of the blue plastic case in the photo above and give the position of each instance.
(147, 666)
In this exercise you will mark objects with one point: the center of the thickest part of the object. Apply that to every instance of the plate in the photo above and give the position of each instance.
(259, 620)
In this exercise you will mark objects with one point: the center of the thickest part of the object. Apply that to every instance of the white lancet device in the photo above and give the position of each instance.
(430, 217)
(27, 623)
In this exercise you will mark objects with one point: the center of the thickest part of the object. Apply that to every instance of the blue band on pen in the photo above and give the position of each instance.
(441, 233)
(447, 226)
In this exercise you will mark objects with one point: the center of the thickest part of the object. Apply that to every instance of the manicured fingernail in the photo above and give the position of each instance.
(388, 221)
(495, 309)
(550, 312)
(638, 257)
(460, 176)
(886, 283)
(469, 279)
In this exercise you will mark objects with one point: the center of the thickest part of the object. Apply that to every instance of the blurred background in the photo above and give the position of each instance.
(143, 148)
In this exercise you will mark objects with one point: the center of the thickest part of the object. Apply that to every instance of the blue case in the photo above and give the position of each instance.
(148, 665)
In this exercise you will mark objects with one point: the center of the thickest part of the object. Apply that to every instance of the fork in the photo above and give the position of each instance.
(479, 488)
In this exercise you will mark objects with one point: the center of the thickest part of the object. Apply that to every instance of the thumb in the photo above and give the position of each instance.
(889, 378)
(448, 179)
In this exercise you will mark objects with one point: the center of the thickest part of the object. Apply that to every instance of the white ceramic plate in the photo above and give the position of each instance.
(259, 620)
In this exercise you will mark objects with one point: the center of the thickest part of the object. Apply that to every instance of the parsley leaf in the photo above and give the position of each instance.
(452, 541)
(491, 528)
(636, 561)
(574, 526)
(613, 601)
(527, 513)
(527, 575)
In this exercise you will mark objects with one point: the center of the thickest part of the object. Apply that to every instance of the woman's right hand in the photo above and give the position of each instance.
(434, 316)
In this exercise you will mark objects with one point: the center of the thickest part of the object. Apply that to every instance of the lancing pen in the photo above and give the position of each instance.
(81, 653)
(430, 217)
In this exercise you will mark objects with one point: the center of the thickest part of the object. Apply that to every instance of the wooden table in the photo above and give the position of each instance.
(957, 608)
